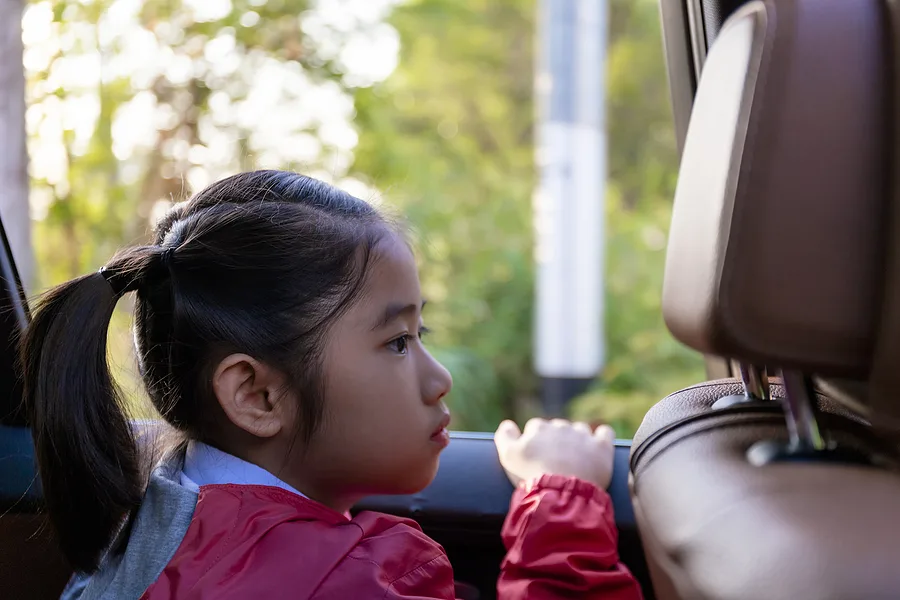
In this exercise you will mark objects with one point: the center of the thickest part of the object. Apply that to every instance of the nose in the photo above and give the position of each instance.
(437, 381)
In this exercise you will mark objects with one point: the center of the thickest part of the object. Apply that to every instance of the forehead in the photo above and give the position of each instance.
(393, 278)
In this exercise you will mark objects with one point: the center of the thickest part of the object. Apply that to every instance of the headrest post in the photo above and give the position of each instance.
(799, 413)
(756, 387)
(756, 381)
(805, 441)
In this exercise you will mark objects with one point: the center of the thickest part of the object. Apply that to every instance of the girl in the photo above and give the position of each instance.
(278, 324)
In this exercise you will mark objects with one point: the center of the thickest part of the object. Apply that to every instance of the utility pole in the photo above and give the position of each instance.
(14, 204)
(569, 200)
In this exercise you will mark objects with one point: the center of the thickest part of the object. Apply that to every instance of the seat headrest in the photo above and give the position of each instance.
(779, 241)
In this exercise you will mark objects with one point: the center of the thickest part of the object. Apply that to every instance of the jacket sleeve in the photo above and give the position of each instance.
(561, 542)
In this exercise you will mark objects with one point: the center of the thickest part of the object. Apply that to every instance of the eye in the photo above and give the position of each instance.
(400, 345)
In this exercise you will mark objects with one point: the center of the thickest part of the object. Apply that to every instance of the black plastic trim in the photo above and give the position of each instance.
(471, 487)
(680, 64)
(14, 317)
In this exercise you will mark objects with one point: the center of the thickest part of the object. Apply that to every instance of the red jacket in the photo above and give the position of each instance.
(249, 542)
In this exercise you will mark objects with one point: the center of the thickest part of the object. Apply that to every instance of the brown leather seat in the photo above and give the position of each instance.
(784, 251)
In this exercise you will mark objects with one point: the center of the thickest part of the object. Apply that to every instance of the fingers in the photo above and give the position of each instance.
(579, 426)
(605, 433)
(507, 431)
(533, 426)
(582, 427)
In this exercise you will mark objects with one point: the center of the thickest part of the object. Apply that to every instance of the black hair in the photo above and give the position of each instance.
(259, 263)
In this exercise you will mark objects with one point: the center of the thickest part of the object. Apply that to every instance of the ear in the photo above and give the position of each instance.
(252, 395)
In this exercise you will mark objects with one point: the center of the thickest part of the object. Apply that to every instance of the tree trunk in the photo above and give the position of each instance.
(14, 207)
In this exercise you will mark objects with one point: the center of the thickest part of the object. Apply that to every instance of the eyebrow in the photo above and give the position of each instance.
(396, 310)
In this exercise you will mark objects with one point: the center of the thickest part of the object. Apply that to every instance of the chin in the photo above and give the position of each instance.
(416, 480)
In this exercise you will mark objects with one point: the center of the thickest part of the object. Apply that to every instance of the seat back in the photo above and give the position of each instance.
(783, 252)
(717, 527)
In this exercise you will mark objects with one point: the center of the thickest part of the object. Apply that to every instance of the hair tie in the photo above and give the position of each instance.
(122, 283)
(166, 257)
(119, 284)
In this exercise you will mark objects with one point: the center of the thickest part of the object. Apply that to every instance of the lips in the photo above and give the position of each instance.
(440, 433)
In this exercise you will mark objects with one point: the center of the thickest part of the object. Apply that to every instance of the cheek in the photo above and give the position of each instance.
(379, 448)
(376, 409)
(374, 383)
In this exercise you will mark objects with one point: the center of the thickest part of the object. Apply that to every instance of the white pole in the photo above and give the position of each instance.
(569, 200)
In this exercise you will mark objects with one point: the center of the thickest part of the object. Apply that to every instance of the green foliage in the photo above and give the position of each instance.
(446, 139)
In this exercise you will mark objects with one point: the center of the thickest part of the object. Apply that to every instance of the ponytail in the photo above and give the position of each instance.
(87, 456)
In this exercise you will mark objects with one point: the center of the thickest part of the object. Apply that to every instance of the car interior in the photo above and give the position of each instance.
(783, 258)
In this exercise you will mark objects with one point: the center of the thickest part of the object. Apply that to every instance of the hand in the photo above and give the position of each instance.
(556, 447)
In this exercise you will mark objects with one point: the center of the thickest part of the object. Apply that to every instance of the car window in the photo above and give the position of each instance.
(427, 107)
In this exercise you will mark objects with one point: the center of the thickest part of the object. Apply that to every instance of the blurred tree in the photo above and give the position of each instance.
(13, 157)
(123, 103)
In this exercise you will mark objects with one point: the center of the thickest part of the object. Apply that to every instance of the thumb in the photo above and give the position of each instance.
(508, 431)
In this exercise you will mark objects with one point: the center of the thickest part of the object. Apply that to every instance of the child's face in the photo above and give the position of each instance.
(383, 391)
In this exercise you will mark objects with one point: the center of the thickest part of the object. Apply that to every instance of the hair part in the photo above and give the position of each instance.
(260, 263)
